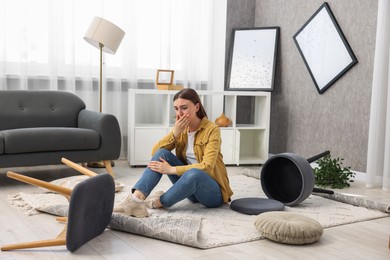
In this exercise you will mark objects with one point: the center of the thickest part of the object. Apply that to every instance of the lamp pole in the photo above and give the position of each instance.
(103, 34)
(101, 76)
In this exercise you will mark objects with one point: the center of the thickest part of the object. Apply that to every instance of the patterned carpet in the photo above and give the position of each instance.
(194, 225)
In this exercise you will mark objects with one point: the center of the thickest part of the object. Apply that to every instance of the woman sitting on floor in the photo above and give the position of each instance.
(197, 171)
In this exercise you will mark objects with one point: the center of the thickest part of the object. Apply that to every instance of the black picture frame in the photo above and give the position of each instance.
(324, 48)
(253, 59)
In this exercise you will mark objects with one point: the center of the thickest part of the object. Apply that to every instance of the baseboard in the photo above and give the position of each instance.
(359, 176)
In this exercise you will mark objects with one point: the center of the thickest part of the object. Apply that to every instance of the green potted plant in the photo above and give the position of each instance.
(331, 173)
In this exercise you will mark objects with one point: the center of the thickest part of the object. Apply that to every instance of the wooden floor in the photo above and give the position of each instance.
(364, 240)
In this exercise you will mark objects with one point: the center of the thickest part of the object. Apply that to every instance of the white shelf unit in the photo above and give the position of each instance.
(151, 116)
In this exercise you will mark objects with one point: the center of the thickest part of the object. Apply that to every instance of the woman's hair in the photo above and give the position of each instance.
(191, 95)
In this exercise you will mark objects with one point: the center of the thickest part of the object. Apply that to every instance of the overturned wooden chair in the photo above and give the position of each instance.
(91, 204)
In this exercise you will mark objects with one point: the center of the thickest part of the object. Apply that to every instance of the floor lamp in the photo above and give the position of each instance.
(107, 37)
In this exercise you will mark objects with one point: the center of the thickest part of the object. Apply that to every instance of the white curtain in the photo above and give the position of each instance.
(378, 155)
(42, 47)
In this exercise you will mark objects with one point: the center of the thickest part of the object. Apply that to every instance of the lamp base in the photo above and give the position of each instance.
(99, 164)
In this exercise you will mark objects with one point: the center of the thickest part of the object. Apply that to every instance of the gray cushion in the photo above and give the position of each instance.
(43, 139)
(255, 206)
(20, 109)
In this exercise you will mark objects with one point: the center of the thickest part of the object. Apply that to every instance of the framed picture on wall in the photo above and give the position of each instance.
(324, 48)
(253, 59)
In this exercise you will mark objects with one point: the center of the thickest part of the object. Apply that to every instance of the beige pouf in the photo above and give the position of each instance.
(289, 227)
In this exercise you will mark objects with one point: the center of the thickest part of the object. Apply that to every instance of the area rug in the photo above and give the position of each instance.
(194, 225)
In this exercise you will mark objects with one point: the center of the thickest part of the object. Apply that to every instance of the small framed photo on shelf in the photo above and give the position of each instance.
(164, 80)
(253, 59)
(165, 77)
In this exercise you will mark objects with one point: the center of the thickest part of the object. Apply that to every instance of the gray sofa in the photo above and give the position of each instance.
(41, 127)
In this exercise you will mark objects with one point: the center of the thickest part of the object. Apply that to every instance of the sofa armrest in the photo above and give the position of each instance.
(108, 128)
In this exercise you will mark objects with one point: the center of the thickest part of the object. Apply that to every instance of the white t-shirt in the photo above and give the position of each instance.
(191, 159)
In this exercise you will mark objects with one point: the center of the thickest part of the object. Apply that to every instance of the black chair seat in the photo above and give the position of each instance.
(90, 210)
(256, 206)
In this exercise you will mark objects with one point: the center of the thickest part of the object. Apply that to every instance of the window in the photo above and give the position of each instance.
(47, 34)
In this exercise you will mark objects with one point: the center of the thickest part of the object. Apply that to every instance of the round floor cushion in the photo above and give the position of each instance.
(289, 227)
(255, 206)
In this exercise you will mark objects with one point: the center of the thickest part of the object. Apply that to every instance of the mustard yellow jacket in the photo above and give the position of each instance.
(207, 148)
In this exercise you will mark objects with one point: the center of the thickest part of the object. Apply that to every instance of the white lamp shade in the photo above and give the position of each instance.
(106, 33)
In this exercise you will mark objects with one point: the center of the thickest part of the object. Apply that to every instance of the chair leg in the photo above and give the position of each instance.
(78, 168)
(108, 166)
(33, 244)
(62, 219)
(39, 183)
(60, 240)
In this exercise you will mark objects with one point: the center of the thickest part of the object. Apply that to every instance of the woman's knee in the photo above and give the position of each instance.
(162, 152)
(193, 174)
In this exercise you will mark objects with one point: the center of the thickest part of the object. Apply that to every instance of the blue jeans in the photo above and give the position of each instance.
(194, 184)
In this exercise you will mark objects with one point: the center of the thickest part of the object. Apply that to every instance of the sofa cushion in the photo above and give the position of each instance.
(24, 109)
(45, 139)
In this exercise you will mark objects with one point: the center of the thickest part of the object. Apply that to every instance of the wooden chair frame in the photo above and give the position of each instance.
(61, 237)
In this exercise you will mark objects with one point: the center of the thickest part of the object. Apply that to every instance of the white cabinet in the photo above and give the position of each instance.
(144, 139)
(151, 116)
(227, 146)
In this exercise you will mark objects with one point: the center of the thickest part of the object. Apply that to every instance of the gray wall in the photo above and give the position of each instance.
(303, 121)
(240, 14)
